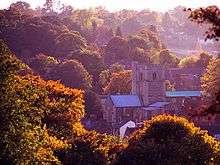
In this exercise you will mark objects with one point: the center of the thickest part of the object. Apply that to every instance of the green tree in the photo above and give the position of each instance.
(9, 64)
(204, 59)
(93, 63)
(72, 74)
(91, 148)
(138, 41)
(69, 42)
(164, 57)
(93, 106)
(170, 140)
(140, 55)
(116, 49)
(41, 64)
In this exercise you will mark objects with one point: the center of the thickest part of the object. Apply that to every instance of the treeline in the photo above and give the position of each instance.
(86, 43)
(40, 119)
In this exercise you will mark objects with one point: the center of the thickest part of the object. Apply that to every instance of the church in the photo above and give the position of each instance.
(147, 99)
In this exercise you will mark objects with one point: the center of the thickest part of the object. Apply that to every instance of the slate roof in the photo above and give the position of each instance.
(151, 108)
(156, 106)
(160, 104)
(120, 101)
(183, 94)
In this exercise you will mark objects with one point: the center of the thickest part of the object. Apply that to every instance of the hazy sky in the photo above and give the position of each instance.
(159, 5)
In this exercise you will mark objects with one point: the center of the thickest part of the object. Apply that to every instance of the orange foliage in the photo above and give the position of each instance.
(119, 83)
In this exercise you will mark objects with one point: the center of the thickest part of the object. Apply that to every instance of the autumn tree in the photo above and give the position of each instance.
(72, 74)
(210, 80)
(119, 83)
(105, 75)
(210, 15)
(24, 139)
(170, 140)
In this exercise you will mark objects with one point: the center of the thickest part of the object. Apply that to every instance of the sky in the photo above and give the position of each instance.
(113, 5)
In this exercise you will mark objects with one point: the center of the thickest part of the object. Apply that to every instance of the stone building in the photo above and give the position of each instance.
(147, 99)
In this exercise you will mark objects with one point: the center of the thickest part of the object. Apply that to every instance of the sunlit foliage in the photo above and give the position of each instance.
(170, 140)
(211, 78)
(119, 83)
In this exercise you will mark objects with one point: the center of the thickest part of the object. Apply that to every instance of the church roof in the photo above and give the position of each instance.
(159, 104)
(156, 106)
(183, 94)
(120, 101)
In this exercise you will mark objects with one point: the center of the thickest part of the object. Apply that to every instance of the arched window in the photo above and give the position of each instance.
(141, 76)
(154, 76)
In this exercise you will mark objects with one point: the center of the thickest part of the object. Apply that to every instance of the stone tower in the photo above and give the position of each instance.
(148, 82)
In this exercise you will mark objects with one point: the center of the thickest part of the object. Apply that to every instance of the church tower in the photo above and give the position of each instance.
(148, 82)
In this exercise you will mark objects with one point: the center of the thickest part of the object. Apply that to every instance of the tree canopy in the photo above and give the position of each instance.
(170, 140)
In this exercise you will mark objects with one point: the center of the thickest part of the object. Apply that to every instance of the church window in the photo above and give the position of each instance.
(154, 76)
(141, 76)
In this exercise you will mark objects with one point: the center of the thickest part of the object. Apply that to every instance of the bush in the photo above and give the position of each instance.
(170, 140)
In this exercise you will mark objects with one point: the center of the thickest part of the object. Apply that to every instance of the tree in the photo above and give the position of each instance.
(130, 26)
(93, 63)
(105, 75)
(30, 112)
(211, 78)
(41, 64)
(188, 62)
(69, 42)
(91, 148)
(116, 49)
(72, 74)
(204, 59)
(140, 55)
(164, 57)
(23, 138)
(118, 32)
(170, 140)
(151, 37)
(209, 15)
(9, 64)
(93, 106)
(119, 83)
(22, 7)
(138, 41)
